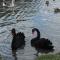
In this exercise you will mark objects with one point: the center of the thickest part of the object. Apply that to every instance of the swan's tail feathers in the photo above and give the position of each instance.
(49, 41)
(50, 45)
(51, 48)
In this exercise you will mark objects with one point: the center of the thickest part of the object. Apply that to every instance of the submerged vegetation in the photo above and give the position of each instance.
(49, 57)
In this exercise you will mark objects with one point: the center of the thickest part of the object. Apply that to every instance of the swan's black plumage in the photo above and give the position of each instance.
(18, 40)
(41, 44)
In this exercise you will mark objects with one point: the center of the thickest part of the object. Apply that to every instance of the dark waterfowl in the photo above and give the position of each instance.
(41, 44)
(18, 41)
(47, 3)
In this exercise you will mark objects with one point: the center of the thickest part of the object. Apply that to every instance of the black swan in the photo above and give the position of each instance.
(41, 44)
(18, 40)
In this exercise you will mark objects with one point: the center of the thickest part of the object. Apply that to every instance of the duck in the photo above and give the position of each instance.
(18, 40)
(42, 45)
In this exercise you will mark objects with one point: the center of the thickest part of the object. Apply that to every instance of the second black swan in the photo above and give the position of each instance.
(41, 44)
(18, 41)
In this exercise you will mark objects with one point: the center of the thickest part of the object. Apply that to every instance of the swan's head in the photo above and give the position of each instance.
(13, 31)
(36, 32)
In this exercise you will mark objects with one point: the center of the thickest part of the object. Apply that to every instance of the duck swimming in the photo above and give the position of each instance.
(41, 44)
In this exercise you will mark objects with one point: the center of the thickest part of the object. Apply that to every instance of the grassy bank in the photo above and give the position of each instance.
(49, 57)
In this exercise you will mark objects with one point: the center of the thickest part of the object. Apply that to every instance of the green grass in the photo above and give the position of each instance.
(49, 57)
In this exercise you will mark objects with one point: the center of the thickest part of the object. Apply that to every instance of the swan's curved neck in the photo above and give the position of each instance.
(38, 34)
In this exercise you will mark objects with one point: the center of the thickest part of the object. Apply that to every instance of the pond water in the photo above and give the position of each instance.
(23, 17)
